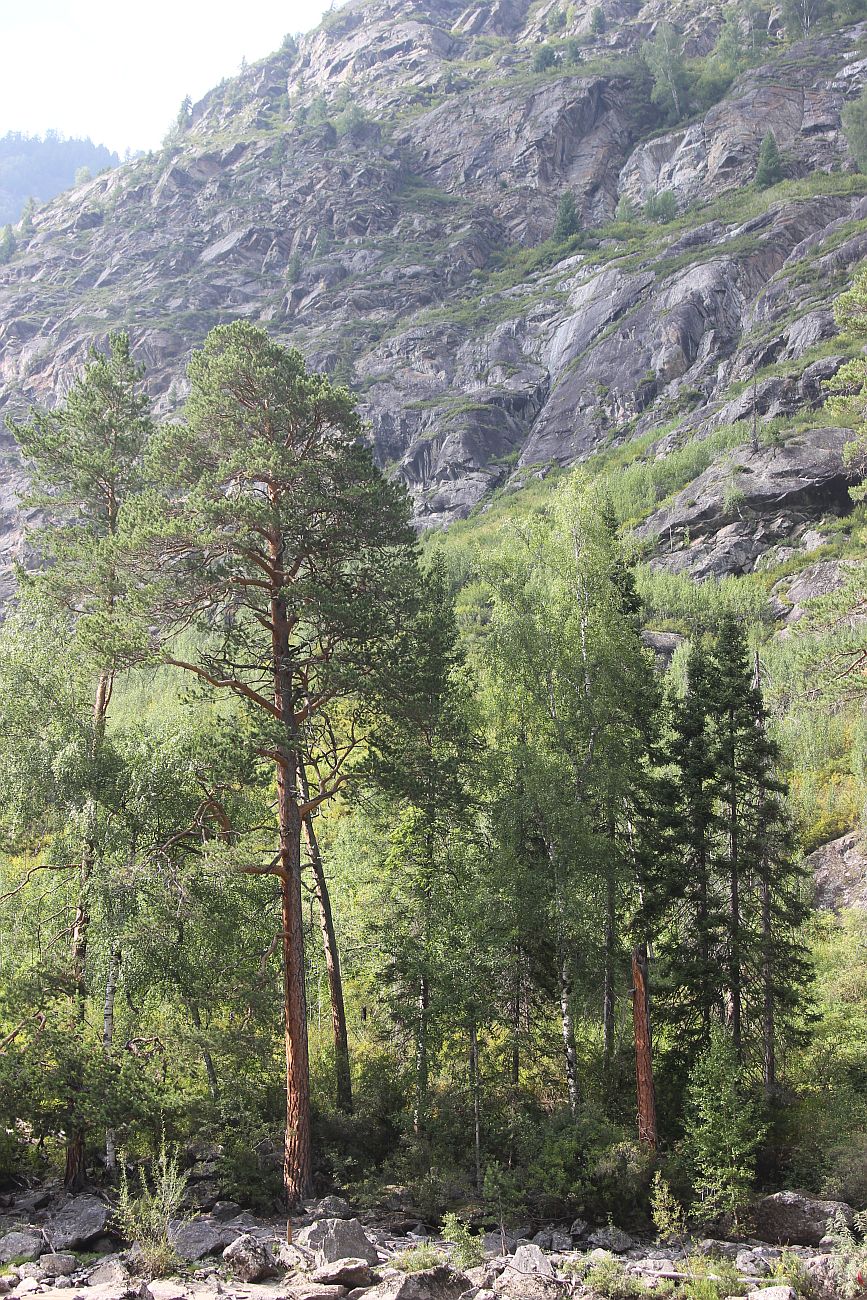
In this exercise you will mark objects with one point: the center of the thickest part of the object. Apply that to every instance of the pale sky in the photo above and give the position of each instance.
(117, 70)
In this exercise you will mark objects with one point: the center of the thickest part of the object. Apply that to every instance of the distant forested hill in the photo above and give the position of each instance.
(43, 167)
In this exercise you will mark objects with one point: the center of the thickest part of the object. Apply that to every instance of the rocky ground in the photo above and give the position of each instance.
(66, 1247)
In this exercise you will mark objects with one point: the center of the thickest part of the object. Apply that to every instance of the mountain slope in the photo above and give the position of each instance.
(380, 196)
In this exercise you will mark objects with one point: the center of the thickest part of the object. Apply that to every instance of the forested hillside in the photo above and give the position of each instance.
(37, 168)
(432, 687)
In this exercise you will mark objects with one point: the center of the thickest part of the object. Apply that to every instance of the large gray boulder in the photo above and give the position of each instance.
(109, 1272)
(332, 1207)
(196, 1238)
(530, 1259)
(58, 1264)
(821, 1277)
(343, 1272)
(528, 1275)
(611, 1238)
(249, 1258)
(440, 1283)
(795, 1218)
(21, 1245)
(302, 1289)
(749, 500)
(333, 1239)
(80, 1221)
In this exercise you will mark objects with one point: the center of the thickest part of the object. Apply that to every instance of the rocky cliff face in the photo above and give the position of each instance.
(371, 197)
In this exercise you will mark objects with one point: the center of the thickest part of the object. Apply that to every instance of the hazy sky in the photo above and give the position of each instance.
(117, 71)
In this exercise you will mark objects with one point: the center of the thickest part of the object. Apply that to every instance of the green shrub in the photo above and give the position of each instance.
(850, 1253)
(667, 1213)
(626, 209)
(723, 1130)
(711, 1278)
(770, 165)
(567, 223)
(417, 1258)
(544, 58)
(846, 1178)
(661, 207)
(609, 1279)
(469, 1248)
(146, 1217)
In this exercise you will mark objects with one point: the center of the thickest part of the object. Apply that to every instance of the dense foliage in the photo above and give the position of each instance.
(438, 843)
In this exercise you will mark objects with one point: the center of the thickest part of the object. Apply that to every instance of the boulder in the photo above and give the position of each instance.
(530, 1259)
(225, 1210)
(529, 1275)
(795, 1218)
(754, 1261)
(839, 869)
(440, 1283)
(334, 1239)
(301, 1289)
(249, 1259)
(499, 1243)
(527, 1286)
(580, 1227)
(821, 1277)
(27, 1202)
(332, 1207)
(21, 1245)
(343, 1272)
(737, 508)
(58, 1264)
(773, 1293)
(611, 1238)
(164, 1288)
(109, 1272)
(78, 1222)
(196, 1238)
(31, 1269)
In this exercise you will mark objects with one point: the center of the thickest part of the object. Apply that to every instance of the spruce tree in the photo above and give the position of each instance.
(686, 889)
(7, 244)
(567, 223)
(25, 224)
(765, 958)
(722, 1129)
(769, 169)
(726, 897)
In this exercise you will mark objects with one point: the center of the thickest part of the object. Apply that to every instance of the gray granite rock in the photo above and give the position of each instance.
(78, 1222)
(795, 1218)
(21, 1245)
(334, 1239)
